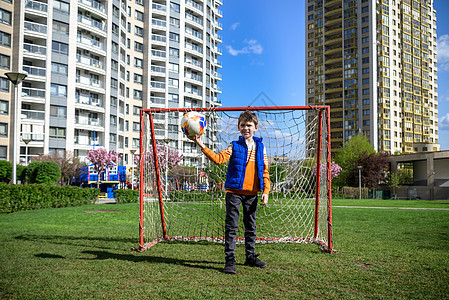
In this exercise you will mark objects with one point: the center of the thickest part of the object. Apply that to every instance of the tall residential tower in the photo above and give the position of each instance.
(92, 64)
(374, 63)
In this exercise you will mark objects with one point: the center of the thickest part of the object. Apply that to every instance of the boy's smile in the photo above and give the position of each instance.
(247, 129)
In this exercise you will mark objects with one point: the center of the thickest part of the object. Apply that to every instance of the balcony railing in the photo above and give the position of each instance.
(191, 61)
(195, 5)
(35, 71)
(90, 81)
(35, 27)
(158, 38)
(158, 69)
(194, 33)
(91, 22)
(34, 93)
(157, 22)
(193, 47)
(35, 137)
(34, 5)
(35, 49)
(80, 120)
(193, 76)
(194, 19)
(158, 84)
(89, 61)
(94, 4)
(88, 41)
(159, 7)
(157, 100)
(158, 53)
(193, 91)
(87, 100)
(32, 115)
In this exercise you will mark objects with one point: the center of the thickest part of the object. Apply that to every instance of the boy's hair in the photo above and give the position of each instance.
(248, 116)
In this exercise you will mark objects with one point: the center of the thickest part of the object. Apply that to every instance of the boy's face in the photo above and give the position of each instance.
(247, 129)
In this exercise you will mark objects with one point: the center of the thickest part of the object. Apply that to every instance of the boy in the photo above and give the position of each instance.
(247, 174)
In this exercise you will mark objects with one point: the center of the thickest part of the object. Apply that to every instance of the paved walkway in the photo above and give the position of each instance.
(105, 200)
(392, 207)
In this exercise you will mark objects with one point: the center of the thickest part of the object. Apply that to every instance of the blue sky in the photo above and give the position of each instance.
(264, 62)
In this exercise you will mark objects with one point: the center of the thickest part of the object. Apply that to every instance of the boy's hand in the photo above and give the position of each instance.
(197, 140)
(264, 199)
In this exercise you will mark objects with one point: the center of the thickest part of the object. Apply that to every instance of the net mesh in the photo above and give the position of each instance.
(193, 198)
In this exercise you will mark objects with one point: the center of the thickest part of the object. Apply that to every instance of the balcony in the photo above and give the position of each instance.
(89, 81)
(32, 115)
(195, 48)
(34, 49)
(157, 100)
(89, 61)
(38, 94)
(158, 38)
(193, 91)
(158, 84)
(90, 42)
(95, 5)
(158, 69)
(92, 23)
(84, 120)
(158, 53)
(194, 33)
(195, 20)
(31, 27)
(160, 23)
(193, 62)
(87, 99)
(196, 6)
(193, 76)
(159, 8)
(35, 71)
(36, 6)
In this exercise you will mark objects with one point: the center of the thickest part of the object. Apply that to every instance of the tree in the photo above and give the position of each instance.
(102, 160)
(66, 161)
(348, 156)
(374, 166)
(164, 161)
(5, 171)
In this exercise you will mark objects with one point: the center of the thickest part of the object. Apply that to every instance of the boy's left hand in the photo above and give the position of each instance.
(264, 199)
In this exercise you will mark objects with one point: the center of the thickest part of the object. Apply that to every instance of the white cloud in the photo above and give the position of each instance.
(235, 25)
(443, 123)
(252, 47)
(443, 52)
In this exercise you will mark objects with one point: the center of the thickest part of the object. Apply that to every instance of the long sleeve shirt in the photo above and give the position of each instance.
(250, 184)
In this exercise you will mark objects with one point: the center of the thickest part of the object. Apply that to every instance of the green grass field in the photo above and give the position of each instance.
(83, 253)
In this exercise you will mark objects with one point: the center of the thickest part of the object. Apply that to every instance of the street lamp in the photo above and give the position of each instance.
(16, 78)
(360, 182)
(166, 140)
(26, 140)
(132, 168)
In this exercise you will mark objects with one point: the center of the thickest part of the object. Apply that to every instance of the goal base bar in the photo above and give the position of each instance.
(290, 240)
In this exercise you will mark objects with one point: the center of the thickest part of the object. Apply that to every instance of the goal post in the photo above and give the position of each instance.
(187, 202)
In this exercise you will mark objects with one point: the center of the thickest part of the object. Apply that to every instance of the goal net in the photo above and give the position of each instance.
(187, 202)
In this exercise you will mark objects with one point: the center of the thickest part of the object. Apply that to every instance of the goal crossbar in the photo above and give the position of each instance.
(322, 177)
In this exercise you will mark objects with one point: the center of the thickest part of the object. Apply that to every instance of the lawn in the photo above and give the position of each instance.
(85, 253)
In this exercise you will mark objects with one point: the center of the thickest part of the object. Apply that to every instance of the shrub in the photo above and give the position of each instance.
(15, 198)
(5, 171)
(46, 172)
(21, 173)
(126, 196)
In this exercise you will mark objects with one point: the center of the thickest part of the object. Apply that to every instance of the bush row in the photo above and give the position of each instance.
(126, 196)
(36, 196)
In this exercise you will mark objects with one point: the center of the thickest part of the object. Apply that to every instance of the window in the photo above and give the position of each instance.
(174, 22)
(5, 17)
(3, 130)
(365, 19)
(173, 52)
(173, 67)
(114, 65)
(138, 15)
(365, 91)
(365, 60)
(4, 107)
(60, 69)
(365, 40)
(174, 7)
(138, 31)
(4, 84)
(138, 78)
(60, 27)
(365, 81)
(3, 150)
(365, 70)
(114, 83)
(136, 127)
(365, 9)
(60, 48)
(136, 110)
(365, 50)
(138, 47)
(5, 39)
(137, 95)
(173, 82)
(112, 138)
(173, 99)
(57, 133)
(114, 48)
(58, 90)
(138, 63)
(5, 61)
(310, 8)
(174, 37)
(365, 29)
(58, 111)
(61, 7)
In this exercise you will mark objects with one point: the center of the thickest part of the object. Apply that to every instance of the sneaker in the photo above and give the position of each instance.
(253, 261)
(229, 267)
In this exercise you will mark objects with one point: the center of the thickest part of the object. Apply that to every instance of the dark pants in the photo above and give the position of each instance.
(232, 222)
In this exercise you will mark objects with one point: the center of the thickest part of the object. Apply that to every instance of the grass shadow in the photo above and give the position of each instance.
(48, 255)
(199, 264)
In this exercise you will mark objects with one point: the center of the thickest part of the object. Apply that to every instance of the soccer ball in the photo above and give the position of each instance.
(193, 123)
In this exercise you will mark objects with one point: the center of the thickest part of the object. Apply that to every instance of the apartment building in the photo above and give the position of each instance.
(92, 64)
(374, 62)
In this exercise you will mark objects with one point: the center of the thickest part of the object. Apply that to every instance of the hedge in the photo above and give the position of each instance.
(15, 198)
(126, 196)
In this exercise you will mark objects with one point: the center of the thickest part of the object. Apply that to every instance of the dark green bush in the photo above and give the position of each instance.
(126, 196)
(46, 172)
(5, 171)
(36, 196)
(21, 173)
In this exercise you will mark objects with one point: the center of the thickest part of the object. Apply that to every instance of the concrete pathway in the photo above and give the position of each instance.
(391, 207)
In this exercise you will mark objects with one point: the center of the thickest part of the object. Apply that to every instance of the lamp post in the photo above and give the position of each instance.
(26, 140)
(16, 78)
(360, 182)
(132, 168)
(166, 140)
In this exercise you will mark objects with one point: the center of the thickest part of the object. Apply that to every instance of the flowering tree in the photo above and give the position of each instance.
(167, 158)
(335, 169)
(102, 160)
